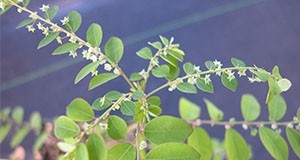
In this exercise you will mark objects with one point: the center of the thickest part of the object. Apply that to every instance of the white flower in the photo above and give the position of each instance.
(143, 145)
(117, 71)
(230, 75)
(242, 72)
(278, 131)
(30, 28)
(295, 118)
(73, 54)
(143, 73)
(197, 68)
(103, 125)
(172, 87)
(54, 28)
(58, 39)
(2, 5)
(274, 126)
(107, 67)
(245, 126)
(44, 8)
(171, 40)
(94, 72)
(40, 26)
(191, 80)
(46, 31)
(73, 39)
(33, 15)
(218, 66)
(154, 62)
(93, 58)
(290, 125)
(85, 54)
(19, 10)
(207, 79)
(117, 107)
(65, 20)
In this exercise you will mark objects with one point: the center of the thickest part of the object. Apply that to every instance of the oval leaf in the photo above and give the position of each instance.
(209, 88)
(51, 12)
(101, 79)
(214, 112)
(145, 53)
(117, 128)
(167, 129)
(18, 114)
(250, 107)
(24, 23)
(48, 39)
(74, 21)
(237, 63)
(36, 121)
(65, 48)
(188, 110)
(19, 137)
(161, 71)
(294, 139)
(188, 68)
(201, 142)
(128, 108)
(284, 84)
(114, 49)
(64, 127)
(96, 147)
(122, 151)
(86, 70)
(236, 146)
(81, 152)
(277, 108)
(80, 110)
(94, 35)
(186, 88)
(232, 85)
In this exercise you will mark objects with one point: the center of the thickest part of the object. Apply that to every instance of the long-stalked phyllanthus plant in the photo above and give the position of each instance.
(150, 135)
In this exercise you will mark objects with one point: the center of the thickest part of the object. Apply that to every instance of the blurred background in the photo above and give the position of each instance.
(261, 32)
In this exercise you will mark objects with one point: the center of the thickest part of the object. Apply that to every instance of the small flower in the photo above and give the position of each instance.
(197, 69)
(65, 20)
(30, 28)
(143, 73)
(290, 125)
(117, 107)
(253, 132)
(154, 62)
(242, 72)
(207, 79)
(33, 15)
(58, 39)
(54, 28)
(278, 131)
(85, 54)
(295, 118)
(218, 66)
(103, 126)
(191, 80)
(230, 75)
(73, 54)
(73, 39)
(2, 5)
(19, 10)
(245, 126)
(40, 26)
(93, 58)
(143, 145)
(107, 67)
(117, 71)
(94, 73)
(44, 8)
(274, 126)
(172, 87)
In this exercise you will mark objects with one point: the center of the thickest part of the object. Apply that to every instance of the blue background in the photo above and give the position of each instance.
(261, 32)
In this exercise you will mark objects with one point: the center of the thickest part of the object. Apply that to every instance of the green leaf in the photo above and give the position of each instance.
(51, 12)
(113, 95)
(188, 110)
(161, 71)
(156, 110)
(167, 129)
(173, 73)
(117, 128)
(154, 100)
(156, 45)
(86, 70)
(80, 110)
(24, 23)
(261, 74)
(36, 122)
(173, 151)
(276, 72)
(277, 108)
(100, 104)
(94, 35)
(122, 151)
(274, 89)
(4, 113)
(176, 51)
(26, 2)
(169, 59)
(128, 108)
(232, 85)
(81, 152)
(74, 21)
(96, 147)
(48, 39)
(298, 113)
(294, 140)
(40, 141)
(64, 127)
(250, 107)
(145, 53)
(274, 144)
(238, 63)
(209, 88)
(6, 8)
(176, 54)
(236, 146)
(101, 79)
(19, 136)
(4, 130)
(17, 115)
(135, 77)
(65, 48)
(138, 94)
(201, 142)
(284, 84)
(114, 49)
(188, 68)
(214, 112)
(210, 65)
(164, 40)
(186, 88)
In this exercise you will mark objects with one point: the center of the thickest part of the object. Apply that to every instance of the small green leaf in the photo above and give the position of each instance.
(122, 151)
(18, 114)
(186, 88)
(277, 108)
(188, 68)
(156, 45)
(138, 94)
(210, 65)
(209, 88)
(294, 140)
(48, 39)
(36, 122)
(261, 74)
(96, 147)
(128, 108)
(86, 70)
(117, 128)
(6, 8)
(19, 136)
(176, 54)
(145, 53)
(80, 110)
(65, 48)
(176, 51)
(173, 151)
(66, 146)
(232, 85)
(276, 72)
(164, 40)
(169, 59)
(26, 2)
(24, 23)
(156, 110)
(298, 113)
(64, 127)
(101, 79)
(51, 12)
(94, 35)
(284, 84)
(113, 95)
(214, 112)
(4, 130)
(114, 49)
(188, 110)
(4, 113)
(161, 71)
(274, 89)
(236, 146)
(135, 77)
(101, 103)
(40, 141)
(250, 107)
(238, 63)
(201, 142)
(81, 152)
(154, 100)
(167, 129)
(173, 73)
(74, 21)
(274, 143)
